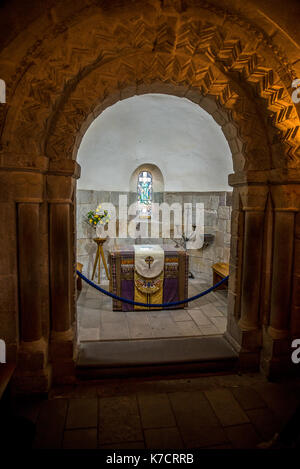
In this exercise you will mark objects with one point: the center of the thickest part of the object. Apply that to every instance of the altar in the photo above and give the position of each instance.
(146, 274)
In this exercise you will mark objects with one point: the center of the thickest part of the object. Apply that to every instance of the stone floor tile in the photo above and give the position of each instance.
(280, 397)
(196, 420)
(265, 422)
(155, 411)
(188, 328)
(93, 306)
(248, 398)
(112, 317)
(210, 310)
(82, 413)
(89, 334)
(179, 315)
(50, 424)
(126, 445)
(199, 317)
(119, 420)
(89, 318)
(243, 436)
(220, 323)
(112, 331)
(61, 391)
(164, 327)
(80, 439)
(138, 324)
(28, 407)
(224, 446)
(209, 330)
(163, 438)
(227, 409)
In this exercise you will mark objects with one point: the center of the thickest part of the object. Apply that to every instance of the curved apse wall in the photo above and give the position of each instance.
(173, 133)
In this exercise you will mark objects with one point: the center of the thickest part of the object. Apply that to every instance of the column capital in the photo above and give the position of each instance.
(60, 188)
(254, 197)
(64, 167)
(286, 197)
(269, 177)
(21, 186)
(10, 161)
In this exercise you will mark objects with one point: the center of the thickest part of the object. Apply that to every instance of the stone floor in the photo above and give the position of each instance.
(97, 321)
(228, 411)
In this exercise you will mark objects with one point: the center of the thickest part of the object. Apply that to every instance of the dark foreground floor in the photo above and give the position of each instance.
(226, 411)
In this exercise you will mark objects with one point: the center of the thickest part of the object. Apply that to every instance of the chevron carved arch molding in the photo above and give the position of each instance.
(192, 50)
(102, 88)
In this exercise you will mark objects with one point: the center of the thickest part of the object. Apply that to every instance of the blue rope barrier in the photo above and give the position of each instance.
(163, 305)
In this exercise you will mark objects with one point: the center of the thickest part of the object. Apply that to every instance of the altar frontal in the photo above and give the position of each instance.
(151, 274)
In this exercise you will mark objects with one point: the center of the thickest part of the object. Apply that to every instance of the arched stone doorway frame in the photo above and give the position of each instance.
(243, 85)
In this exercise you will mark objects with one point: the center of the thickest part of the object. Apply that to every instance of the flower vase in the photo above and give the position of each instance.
(100, 231)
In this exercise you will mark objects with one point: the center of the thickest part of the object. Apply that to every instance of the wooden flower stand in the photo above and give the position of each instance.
(99, 255)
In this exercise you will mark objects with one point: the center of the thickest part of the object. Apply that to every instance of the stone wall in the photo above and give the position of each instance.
(217, 213)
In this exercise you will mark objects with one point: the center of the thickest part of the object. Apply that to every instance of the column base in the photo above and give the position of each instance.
(33, 373)
(33, 355)
(247, 344)
(276, 358)
(29, 382)
(62, 357)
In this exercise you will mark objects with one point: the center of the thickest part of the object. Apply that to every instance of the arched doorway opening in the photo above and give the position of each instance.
(223, 62)
(189, 161)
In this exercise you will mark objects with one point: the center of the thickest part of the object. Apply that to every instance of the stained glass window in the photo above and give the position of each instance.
(144, 189)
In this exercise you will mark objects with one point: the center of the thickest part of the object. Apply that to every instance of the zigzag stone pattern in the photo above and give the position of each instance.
(94, 60)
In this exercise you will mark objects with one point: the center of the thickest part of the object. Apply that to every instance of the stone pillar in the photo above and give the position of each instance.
(295, 307)
(9, 307)
(60, 193)
(235, 269)
(60, 238)
(278, 335)
(29, 256)
(244, 328)
(22, 188)
(251, 272)
(282, 274)
(33, 353)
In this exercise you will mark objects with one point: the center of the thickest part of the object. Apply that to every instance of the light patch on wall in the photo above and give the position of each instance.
(173, 133)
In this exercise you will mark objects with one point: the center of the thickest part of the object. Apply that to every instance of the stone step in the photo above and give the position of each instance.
(144, 357)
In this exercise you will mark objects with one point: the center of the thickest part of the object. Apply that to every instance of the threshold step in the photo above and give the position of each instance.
(155, 356)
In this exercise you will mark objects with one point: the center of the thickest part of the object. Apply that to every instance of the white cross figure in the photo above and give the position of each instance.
(145, 177)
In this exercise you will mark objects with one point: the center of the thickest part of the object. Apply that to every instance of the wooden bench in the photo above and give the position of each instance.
(79, 267)
(220, 271)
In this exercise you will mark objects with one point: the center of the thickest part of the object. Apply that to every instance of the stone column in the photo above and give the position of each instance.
(60, 239)
(295, 309)
(33, 353)
(251, 271)
(282, 274)
(22, 187)
(254, 198)
(276, 357)
(244, 328)
(60, 193)
(29, 256)
(235, 269)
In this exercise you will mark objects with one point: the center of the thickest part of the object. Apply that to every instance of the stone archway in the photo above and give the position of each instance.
(89, 59)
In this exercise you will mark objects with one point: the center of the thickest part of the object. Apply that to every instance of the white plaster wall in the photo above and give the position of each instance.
(173, 133)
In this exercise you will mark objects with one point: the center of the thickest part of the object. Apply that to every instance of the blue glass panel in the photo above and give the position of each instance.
(144, 190)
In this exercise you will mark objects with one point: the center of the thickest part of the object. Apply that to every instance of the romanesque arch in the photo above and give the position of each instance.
(80, 61)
